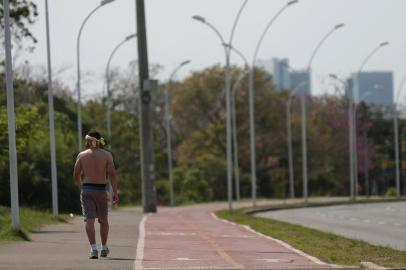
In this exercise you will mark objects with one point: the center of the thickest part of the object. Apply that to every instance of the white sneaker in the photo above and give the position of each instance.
(93, 254)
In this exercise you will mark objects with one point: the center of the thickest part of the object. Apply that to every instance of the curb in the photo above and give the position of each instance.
(372, 266)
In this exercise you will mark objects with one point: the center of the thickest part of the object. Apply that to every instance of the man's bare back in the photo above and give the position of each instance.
(96, 164)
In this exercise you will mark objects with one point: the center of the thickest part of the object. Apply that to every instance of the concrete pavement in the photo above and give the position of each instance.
(65, 246)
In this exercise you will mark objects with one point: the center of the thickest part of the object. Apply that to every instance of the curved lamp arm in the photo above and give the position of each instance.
(338, 26)
(290, 3)
(383, 44)
(236, 21)
(402, 84)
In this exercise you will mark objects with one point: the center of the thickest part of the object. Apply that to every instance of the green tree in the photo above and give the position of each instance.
(23, 14)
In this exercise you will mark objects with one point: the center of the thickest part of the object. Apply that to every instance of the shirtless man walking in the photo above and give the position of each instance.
(94, 167)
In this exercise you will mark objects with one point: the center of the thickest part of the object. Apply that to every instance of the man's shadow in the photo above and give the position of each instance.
(119, 259)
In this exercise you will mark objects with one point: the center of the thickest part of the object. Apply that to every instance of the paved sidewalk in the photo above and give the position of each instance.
(192, 238)
(65, 246)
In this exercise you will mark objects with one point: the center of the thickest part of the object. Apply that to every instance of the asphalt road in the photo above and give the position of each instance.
(377, 223)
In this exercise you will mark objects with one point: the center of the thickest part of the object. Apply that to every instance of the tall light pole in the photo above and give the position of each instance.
(108, 81)
(234, 124)
(354, 121)
(54, 178)
(350, 132)
(252, 105)
(79, 102)
(168, 117)
(228, 94)
(303, 103)
(15, 215)
(403, 149)
(289, 133)
(366, 163)
(366, 151)
(396, 136)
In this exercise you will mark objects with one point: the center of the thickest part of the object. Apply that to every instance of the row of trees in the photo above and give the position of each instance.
(199, 143)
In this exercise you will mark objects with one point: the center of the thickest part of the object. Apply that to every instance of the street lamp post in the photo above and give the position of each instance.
(350, 133)
(403, 132)
(15, 215)
(168, 117)
(108, 81)
(79, 102)
(303, 106)
(396, 136)
(366, 163)
(228, 93)
(252, 105)
(354, 121)
(234, 124)
(54, 178)
(289, 133)
(367, 94)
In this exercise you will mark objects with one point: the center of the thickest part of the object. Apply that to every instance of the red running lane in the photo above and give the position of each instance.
(193, 238)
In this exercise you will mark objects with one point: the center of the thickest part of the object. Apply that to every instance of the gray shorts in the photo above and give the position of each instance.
(94, 204)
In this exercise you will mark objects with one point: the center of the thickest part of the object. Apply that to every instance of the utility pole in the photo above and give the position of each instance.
(146, 86)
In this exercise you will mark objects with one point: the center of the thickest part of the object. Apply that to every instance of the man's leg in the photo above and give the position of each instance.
(104, 223)
(104, 231)
(90, 231)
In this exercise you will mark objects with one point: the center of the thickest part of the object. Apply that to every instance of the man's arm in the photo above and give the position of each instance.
(111, 173)
(77, 171)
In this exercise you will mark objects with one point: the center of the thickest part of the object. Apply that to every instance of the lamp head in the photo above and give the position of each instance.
(384, 44)
(339, 26)
(332, 76)
(105, 2)
(130, 37)
(292, 2)
(185, 63)
(199, 18)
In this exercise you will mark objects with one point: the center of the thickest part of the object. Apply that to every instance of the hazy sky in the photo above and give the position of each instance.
(173, 36)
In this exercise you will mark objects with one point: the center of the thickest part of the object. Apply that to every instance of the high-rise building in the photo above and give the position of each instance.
(373, 88)
(300, 78)
(280, 73)
(285, 78)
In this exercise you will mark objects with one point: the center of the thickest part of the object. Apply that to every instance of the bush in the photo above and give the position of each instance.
(191, 187)
(391, 192)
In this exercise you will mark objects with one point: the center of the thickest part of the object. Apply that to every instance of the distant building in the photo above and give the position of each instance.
(373, 88)
(280, 73)
(300, 78)
(285, 78)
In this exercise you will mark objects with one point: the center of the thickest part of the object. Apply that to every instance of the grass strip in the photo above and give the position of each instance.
(327, 247)
(30, 221)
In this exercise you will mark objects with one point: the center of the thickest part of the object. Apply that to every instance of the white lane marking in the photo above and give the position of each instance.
(236, 236)
(194, 268)
(185, 259)
(171, 233)
(140, 246)
(367, 221)
(382, 223)
(397, 224)
(311, 258)
(277, 260)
